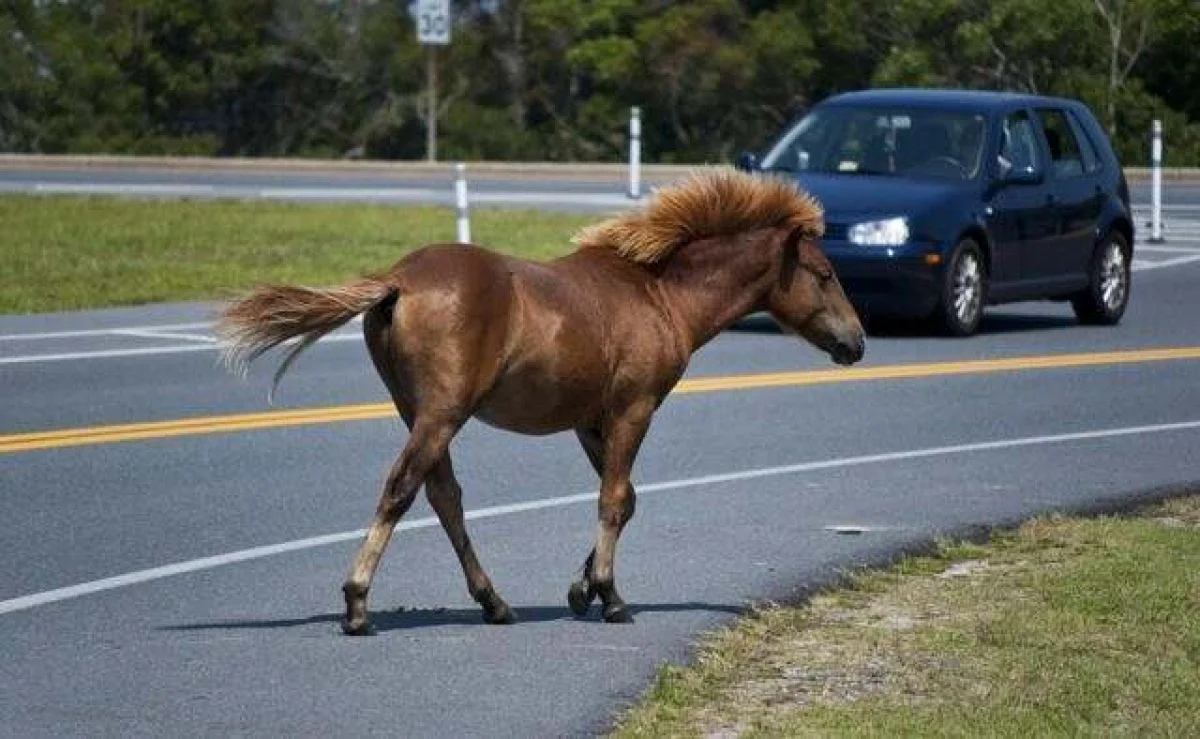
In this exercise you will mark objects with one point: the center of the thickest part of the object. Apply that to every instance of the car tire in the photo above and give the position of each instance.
(1103, 301)
(964, 290)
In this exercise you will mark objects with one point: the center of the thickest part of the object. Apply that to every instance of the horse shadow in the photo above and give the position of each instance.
(402, 619)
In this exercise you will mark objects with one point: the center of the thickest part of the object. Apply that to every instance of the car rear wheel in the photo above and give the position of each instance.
(1103, 302)
(964, 290)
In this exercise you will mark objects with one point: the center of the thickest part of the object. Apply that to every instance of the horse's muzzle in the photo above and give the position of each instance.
(847, 351)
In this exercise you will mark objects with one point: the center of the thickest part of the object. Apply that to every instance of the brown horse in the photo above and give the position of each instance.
(591, 342)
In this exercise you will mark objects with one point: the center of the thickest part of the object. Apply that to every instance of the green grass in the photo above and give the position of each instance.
(1063, 627)
(66, 253)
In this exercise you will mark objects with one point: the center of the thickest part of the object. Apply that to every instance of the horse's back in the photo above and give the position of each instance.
(529, 346)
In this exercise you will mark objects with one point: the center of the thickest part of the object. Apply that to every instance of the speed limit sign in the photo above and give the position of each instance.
(433, 22)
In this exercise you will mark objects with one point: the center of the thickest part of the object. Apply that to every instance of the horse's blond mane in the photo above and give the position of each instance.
(713, 201)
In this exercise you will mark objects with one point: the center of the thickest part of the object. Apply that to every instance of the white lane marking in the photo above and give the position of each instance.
(1171, 249)
(167, 335)
(70, 188)
(211, 345)
(350, 193)
(146, 351)
(443, 197)
(34, 600)
(1167, 208)
(1177, 261)
(80, 333)
(536, 198)
(372, 194)
(69, 356)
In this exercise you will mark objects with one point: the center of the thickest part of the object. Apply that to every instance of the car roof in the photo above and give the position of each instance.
(990, 101)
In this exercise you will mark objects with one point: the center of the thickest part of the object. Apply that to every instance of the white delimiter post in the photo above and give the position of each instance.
(461, 206)
(1156, 235)
(635, 152)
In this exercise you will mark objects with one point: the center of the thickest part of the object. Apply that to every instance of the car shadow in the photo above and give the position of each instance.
(998, 323)
(417, 618)
(756, 323)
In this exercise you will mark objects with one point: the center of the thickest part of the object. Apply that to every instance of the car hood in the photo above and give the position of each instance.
(853, 197)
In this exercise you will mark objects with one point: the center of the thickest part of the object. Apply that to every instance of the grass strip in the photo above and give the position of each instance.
(69, 253)
(1065, 626)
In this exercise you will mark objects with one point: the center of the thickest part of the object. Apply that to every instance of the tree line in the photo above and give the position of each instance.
(554, 79)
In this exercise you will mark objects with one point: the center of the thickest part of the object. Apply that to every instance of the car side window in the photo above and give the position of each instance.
(1065, 154)
(1018, 145)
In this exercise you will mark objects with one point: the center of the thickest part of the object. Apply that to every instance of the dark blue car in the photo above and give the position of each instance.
(939, 202)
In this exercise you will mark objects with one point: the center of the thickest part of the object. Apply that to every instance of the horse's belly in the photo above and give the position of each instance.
(532, 404)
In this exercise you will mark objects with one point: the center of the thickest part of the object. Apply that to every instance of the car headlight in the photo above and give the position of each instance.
(888, 232)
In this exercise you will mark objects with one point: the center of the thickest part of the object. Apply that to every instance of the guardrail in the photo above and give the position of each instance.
(582, 171)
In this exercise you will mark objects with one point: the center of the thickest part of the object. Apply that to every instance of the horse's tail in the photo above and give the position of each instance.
(273, 314)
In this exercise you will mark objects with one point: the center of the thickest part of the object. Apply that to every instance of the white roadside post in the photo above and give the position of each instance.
(635, 152)
(1156, 234)
(462, 207)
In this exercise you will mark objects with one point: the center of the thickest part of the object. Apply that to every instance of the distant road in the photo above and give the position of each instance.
(370, 187)
(588, 187)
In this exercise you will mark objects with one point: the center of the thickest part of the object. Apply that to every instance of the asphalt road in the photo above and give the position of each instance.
(142, 593)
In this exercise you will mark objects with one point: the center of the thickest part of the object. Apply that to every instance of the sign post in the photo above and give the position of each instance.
(433, 30)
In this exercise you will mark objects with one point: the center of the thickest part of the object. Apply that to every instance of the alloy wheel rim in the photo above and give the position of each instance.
(1112, 277)
(968, 285)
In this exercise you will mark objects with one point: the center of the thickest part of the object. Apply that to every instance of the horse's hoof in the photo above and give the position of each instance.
(618, 613)
(357, 628)
(501, 616)
(579, 598)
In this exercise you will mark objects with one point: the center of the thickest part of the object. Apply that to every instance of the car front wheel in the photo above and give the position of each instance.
(964, 290)
(1103, 302)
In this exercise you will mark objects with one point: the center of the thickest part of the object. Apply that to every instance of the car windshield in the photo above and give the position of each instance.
(900, 142)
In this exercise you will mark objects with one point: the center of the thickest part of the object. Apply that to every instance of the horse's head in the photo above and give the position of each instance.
(808, 299)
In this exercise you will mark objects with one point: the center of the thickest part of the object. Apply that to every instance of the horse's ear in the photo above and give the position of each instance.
(803, 244)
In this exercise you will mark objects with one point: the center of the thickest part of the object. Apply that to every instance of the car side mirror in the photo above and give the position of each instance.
(747, 161)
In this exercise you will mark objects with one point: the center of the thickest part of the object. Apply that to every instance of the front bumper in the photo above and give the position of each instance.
(888, 281)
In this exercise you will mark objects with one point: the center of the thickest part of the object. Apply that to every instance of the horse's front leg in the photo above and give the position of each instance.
(621, 439)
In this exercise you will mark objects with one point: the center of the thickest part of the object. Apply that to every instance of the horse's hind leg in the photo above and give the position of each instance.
(445, 495)
(613, 456)
(426, 445)
(582, 593)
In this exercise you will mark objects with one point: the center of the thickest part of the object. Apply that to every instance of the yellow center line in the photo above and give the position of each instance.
(86, 436)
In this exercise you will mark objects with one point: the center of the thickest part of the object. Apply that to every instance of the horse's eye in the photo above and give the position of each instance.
(825, 276)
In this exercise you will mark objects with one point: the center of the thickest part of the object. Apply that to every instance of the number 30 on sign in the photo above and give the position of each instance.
(433, 21)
